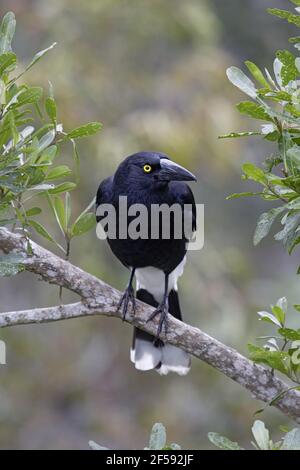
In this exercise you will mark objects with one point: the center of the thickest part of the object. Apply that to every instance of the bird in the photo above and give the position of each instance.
(151, 178)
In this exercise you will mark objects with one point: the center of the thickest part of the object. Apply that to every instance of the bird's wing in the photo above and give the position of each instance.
(182, 194)
(104, 192)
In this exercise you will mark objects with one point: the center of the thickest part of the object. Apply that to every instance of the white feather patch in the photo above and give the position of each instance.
(153, 280)
(145, 355)
(174, 360)
(132, 355)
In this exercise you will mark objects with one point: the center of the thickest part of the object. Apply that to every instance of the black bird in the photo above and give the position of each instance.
(151, 178)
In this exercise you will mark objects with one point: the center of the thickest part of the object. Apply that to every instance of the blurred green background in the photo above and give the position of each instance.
(153, 72)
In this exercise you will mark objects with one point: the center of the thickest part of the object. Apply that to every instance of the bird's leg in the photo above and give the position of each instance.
(162, 310)
(127, 297)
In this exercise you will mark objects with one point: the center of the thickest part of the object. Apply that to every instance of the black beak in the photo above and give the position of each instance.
(171, 171)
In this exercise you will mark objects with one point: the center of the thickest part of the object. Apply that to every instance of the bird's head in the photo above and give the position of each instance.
(146, 169)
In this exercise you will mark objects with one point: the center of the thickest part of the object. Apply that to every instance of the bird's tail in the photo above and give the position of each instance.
(148, 353)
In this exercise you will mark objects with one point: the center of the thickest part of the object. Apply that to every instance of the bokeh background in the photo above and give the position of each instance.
(154, 73)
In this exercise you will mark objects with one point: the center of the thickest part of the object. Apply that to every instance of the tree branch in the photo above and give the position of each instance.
(99, 298)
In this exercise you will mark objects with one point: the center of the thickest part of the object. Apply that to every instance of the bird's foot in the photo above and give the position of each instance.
(127, 297)
(161, 310)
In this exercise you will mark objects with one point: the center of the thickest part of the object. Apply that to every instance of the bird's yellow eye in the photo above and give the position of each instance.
(147, 168)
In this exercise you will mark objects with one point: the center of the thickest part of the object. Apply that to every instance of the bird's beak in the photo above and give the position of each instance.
(171, 171)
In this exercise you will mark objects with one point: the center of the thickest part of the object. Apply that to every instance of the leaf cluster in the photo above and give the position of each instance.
(157, 440)
(275, 101)
(281, 350)
(262, 440)
(31, 139)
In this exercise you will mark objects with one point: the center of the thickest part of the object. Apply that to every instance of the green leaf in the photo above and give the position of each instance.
(269, 318)
(223, 442)
(290, 334)
(11, 264)
(35, 59)
(62, 188)
(2, 92)
(42, 187)
(175, 446)
(293, 155)
(41, 230)
(278, 95)
(261, 435)
(295, 2)
(292, 182)
(290, 224)
(238, 195)
(294, 204)
(76, 159)
(68, 208)
(7, 31)
(234, 135)
(294, 40)
(291, 440)
(39, 55)
(241, 81)
(44, 142)
(60, 214)
(94, 446)
(292, 241)
(58, 172)
(257, 74)
(84, 223)
(48, 155)
(254, 173)
(264, 224)
(275, 359)
(269, 132)
(290, 17)
(31, 95)
(289, 70)
(13, 127)
(33, 211)
(8, 61)
(284, 429)
(253, 110)
(292, 110)
(51, 110)
(84, 131)
(158, 437)
(279, 314)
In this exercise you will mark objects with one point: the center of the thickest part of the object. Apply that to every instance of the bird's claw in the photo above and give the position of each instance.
(161, 310)
(128, 296)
